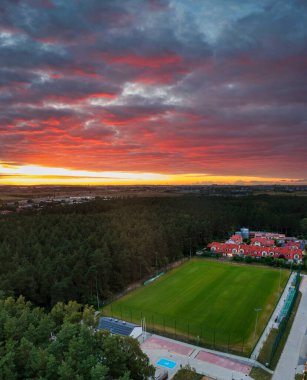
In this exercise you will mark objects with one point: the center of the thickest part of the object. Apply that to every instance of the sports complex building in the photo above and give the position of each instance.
(261, 244)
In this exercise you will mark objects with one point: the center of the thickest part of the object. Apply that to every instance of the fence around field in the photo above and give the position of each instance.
(285, 316)
(184, 330)
(273, 345)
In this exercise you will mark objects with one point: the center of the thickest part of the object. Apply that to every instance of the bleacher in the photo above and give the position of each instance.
(116, 326)
(287, 304)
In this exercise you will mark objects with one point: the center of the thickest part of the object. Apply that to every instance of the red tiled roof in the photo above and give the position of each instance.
(293, 244)
(236, 237)
(255, 250)
(263, 241)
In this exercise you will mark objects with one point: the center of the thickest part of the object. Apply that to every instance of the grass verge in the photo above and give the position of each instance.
(260, 374)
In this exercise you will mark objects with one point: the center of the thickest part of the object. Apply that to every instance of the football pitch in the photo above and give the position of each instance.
(206, 302)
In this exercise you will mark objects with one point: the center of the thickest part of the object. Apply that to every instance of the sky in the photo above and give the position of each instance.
(153, 91)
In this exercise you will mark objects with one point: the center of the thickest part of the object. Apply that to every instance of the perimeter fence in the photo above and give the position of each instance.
(285, 316)
(185, 330)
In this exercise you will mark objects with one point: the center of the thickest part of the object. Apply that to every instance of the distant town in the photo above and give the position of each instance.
(39, 203)
(25, 198)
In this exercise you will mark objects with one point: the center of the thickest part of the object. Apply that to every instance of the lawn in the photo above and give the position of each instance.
(211, 303)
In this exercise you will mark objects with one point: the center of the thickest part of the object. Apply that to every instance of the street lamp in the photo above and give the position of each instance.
(190, 245)
(279, 282)
(156, 264)
(257, 311)
(91, 270)
(98, 304)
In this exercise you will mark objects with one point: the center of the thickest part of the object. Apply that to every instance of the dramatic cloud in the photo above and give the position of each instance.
(157, 86)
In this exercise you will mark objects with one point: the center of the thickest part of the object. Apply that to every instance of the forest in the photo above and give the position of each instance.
(36, 344)
(92, 251)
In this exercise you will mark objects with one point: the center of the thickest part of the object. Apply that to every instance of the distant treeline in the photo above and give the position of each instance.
(76, 252)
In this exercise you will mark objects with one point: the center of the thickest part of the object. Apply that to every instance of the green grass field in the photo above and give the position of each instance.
(209, 302)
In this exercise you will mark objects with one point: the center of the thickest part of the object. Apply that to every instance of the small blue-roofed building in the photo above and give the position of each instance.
(117, 326)
(244, 232)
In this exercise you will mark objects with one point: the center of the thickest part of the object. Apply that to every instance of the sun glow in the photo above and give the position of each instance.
(41, 175)
(34, 174)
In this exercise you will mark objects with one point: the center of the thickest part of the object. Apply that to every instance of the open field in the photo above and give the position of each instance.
(208, 302)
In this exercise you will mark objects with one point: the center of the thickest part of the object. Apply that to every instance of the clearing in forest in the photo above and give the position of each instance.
(206, 302)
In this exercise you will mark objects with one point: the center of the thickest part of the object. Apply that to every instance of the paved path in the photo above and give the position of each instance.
(296, 342)
(275, 314)
(217, 365)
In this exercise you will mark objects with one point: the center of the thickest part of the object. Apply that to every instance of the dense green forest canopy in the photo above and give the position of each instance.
(63, 345)
(78, 252)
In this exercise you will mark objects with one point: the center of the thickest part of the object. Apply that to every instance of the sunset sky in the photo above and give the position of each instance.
(153, 91)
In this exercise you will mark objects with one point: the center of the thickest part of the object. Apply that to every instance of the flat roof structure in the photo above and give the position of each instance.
(116, 326)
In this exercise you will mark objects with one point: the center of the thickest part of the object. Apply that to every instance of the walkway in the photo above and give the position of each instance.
(275, 314)
(296, 342)
(217, 365)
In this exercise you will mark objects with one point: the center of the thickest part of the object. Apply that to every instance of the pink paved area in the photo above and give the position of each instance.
(159, 343)
(223, 362)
